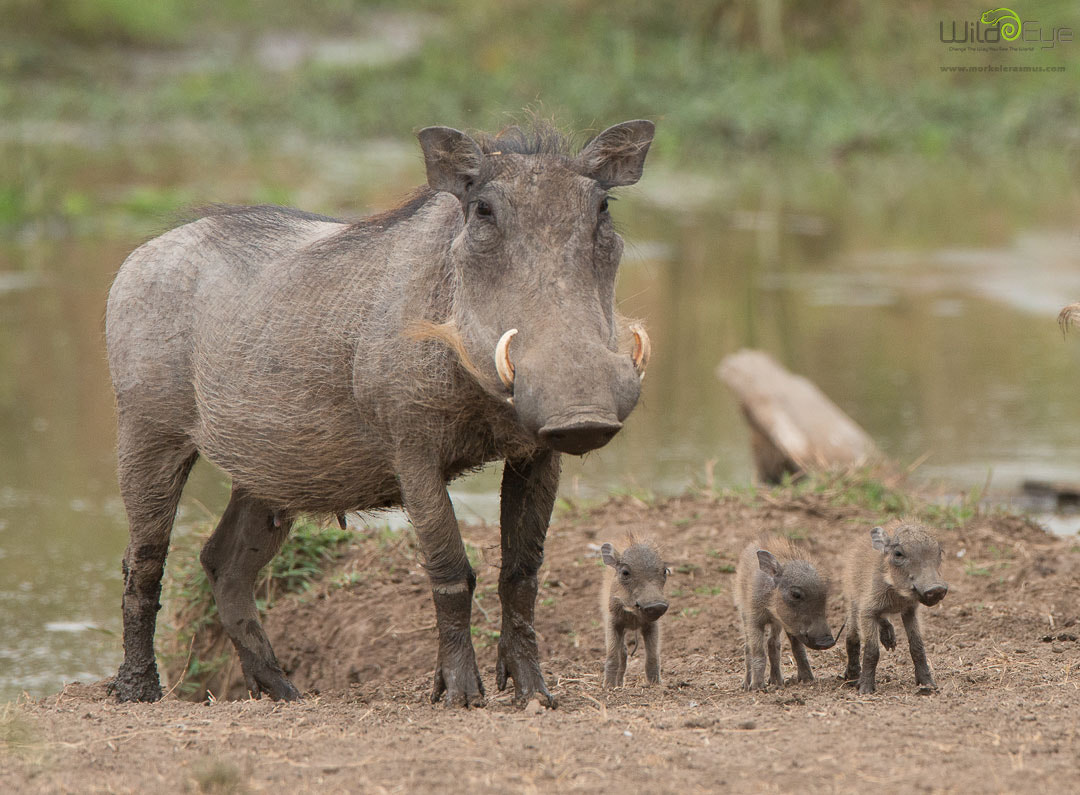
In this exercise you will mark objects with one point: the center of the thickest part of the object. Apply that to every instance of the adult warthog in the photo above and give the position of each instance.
(329, 367)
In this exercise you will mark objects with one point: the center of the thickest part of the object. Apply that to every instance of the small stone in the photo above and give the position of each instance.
(534, 707)
(628, 733)
(1057, 648)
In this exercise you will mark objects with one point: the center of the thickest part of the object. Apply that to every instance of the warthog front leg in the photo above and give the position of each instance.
(871, 652)
(452, 583)
(615, 666)
(802, 662)
(527, 497)
(245, 540)
(918, 651)
(151, 480)
(755, 659)
(650, 633)
(776, 676)
(854, 667)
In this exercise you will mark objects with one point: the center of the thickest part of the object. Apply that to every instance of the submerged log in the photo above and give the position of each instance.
(794, 427)
(1070, 316)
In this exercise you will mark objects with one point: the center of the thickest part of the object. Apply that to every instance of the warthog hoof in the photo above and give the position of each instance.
(460, 683)
(142, 685)
(524, 669)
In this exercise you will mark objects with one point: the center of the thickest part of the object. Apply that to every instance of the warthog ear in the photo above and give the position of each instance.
(452, 159)
(879, 539)
(768, 563)
(617, 155)
(610, 555)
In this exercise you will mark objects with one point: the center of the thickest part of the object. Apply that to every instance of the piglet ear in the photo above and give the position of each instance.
(879, 539)
(452, 159)
(768, 563)
(617, 155)
(609, 555)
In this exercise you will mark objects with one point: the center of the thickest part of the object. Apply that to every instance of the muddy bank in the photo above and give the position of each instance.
(361, 643)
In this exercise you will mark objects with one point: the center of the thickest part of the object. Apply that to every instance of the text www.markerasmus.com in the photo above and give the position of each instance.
(995, 68)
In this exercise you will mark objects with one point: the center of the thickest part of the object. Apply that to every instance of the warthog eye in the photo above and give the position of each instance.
(897, 555)
(604, 205)
(482, 209)
(796, 594)
(625, 574)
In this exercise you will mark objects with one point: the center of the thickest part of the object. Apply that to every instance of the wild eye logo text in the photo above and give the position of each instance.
(1003, 26)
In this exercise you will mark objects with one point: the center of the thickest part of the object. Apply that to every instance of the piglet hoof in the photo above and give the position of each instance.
(866, 688)
(528, 681)
(461, 688)
(804, 678)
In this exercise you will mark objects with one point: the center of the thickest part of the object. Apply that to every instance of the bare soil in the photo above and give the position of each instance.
(361, 644)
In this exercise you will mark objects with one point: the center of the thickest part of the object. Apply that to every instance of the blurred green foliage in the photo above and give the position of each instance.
(95, 85)
(833, 76)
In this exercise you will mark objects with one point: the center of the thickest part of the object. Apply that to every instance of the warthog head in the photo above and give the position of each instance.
(534, 269)
(912, 562)
(799, 596)
(639, 578)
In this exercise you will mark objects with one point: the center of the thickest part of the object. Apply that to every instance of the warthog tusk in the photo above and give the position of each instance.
(503, 365)
(642, 349)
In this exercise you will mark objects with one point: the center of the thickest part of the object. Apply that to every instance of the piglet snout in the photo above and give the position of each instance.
(652, 610)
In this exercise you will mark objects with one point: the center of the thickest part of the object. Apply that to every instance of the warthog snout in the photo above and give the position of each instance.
(819, 642)
(573, 397)
(579, 435)
(931, 596)
(652, 610)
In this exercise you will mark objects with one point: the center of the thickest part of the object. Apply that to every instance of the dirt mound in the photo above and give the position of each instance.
(361, 643)
(371, 619)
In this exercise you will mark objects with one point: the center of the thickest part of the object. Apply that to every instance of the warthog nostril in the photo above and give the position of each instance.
(653, 610)
(577, 438)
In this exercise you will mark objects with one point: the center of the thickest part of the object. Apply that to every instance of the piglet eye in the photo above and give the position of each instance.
(482, 209)
(604, 205)
(796, 594)
(625, 574)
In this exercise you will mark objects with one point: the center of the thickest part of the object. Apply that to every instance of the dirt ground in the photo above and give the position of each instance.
(1003, 646)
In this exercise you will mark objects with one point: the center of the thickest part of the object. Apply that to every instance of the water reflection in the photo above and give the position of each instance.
(922, 304)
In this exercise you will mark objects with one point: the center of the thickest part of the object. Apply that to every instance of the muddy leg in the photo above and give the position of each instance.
(776, 677)
(243, 542)
(452, 582)
(871, 652)
(851, 673)
(798, 651)
(650, 633)
(150, 484)
(918, 651)
(528, 495)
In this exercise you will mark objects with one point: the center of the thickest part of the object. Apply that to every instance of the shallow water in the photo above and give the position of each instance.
(922, 302)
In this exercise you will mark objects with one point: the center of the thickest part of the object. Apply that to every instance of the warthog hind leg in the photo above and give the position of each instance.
(244, 541)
